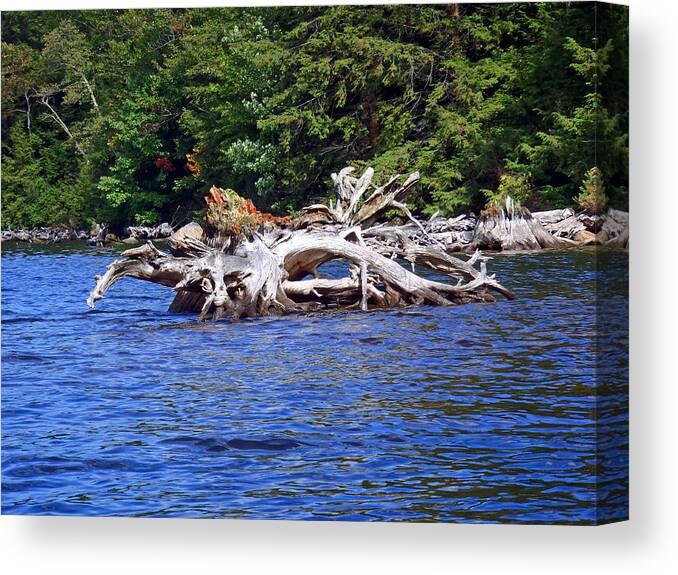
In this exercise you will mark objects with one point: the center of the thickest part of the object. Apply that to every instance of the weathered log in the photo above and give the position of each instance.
(242, 284)
(609, 229)
(553, 216)
(516, 230)
(238, 271)
(567, 227)
(163, 230)
(616, 228)
(619, 241)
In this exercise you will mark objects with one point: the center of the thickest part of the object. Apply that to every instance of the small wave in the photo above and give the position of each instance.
(24, 357)
(372, 340)
(49, 466)
(274, 444)
(218, 444)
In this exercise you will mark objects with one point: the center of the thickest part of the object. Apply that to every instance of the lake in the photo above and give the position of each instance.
(508, 412)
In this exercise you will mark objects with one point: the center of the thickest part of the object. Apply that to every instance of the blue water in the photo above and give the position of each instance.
(506, 412)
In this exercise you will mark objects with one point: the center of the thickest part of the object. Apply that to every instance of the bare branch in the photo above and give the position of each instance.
(45, 101)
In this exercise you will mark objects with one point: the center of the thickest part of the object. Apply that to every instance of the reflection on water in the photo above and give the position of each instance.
(476, 413)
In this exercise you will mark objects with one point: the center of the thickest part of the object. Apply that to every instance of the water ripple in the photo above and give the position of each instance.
(515, 411)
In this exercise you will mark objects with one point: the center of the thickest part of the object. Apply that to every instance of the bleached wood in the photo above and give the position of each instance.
(266, 271)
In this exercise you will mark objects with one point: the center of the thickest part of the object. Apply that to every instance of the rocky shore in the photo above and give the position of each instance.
(44, 235)
(98, 234)
(511, 228)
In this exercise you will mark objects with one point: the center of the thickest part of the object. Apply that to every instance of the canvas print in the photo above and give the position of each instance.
(359, 263)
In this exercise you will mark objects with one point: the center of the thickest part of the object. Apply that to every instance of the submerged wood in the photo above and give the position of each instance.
(244, 263)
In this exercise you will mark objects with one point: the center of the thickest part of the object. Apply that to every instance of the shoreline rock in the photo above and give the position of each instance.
(160, 231)
(44, 235)
(610, 228)
(97, 235)
(516, 229)
(509, 230)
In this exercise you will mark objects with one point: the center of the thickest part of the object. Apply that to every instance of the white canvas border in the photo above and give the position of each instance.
(645, 544)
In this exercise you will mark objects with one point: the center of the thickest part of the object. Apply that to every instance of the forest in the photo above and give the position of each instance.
(130, 116)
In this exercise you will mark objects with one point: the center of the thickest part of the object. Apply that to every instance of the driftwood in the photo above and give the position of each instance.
(98, 235)
(163, 230)
(509, 228)
(244, 263)
(610, 228)
(44, 235)
(551, 217)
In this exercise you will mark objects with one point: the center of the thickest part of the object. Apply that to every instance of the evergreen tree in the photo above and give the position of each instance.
(128, 115)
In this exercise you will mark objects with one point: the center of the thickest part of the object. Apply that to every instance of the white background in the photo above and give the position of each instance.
(645, 544)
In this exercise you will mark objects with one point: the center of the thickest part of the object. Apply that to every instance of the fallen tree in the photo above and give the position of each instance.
(242, 262)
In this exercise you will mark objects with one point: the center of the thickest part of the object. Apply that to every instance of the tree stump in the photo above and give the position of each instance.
(244, 263)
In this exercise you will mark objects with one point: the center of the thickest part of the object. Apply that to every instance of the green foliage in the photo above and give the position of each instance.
(515, 186)
(38, 186)
(592, 198)
(128, 115)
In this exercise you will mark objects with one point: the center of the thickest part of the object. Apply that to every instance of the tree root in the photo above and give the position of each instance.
(274, 269)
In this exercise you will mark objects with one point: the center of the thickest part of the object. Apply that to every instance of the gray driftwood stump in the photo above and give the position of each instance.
(243, 263)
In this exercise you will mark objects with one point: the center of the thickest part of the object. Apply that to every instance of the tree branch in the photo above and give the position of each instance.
(64, 127)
